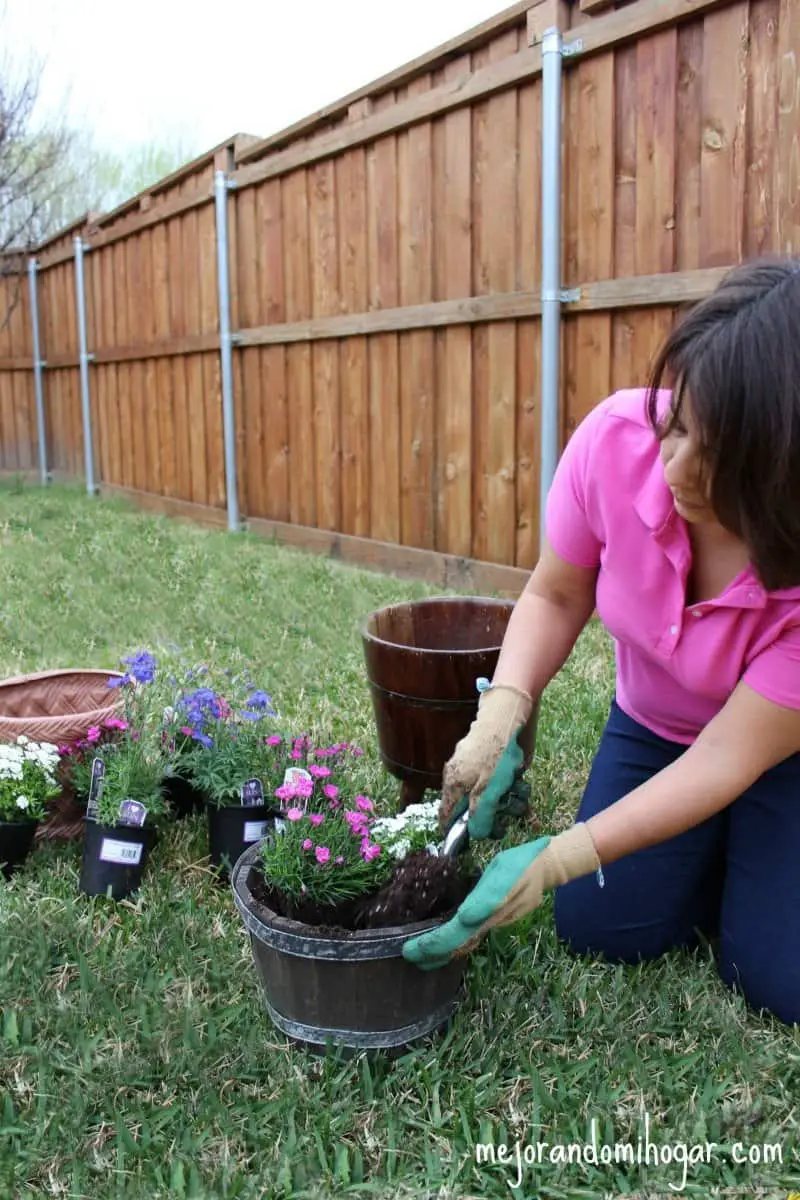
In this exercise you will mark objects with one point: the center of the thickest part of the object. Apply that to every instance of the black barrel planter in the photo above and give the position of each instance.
(353, 991)
(114, 858)
(16, 839)
(232, 829)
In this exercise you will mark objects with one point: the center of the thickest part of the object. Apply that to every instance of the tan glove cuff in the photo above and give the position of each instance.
(569, 855)
(505, 709)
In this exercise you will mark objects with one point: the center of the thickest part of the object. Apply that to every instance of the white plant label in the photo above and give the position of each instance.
(254, 830)
(295, 774)
(126, 854)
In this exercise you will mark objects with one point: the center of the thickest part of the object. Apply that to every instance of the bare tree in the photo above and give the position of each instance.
(31, 160)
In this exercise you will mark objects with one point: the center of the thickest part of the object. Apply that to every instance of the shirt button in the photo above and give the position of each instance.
(673, 629)
(698, 612)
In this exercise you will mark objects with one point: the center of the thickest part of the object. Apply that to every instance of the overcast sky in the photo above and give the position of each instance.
(165, 70)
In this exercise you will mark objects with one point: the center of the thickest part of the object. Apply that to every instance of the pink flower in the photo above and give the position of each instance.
(118, 723)
(224, 708)
(339, 860)
(307, 844)
(330, 790)
(369, 851)
(186, 731)
(296, 755)
(357, 822)
(316, 818)
(356, 751)
(322, 854)
(364, 803)
(93, 734)
(295, 814)
(274, 739)
(284, 792)
(304, 788)
(65, 751)
(318, 771)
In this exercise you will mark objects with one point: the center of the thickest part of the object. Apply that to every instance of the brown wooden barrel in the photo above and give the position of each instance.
(354, 991)
(423, 659)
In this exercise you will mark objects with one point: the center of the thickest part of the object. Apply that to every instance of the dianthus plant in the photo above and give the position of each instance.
(326, 853)
(28, 779)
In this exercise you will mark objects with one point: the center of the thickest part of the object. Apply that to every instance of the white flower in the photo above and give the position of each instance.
(22, 740)
(23, 802)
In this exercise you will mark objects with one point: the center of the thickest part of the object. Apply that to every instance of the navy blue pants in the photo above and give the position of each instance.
(735, 877)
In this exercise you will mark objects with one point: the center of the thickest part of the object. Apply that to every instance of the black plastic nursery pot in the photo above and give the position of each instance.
(353, 991)
(16, 839)
(114, 858)
(232, 829)
(184, 798)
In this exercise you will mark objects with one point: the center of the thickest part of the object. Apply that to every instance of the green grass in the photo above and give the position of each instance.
(135, 1057)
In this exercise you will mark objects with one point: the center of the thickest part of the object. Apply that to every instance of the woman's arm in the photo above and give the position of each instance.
(557, 602)
(747, 737)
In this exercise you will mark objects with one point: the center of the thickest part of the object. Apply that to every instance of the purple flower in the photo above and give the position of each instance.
(307, 844)
(246, 715)
(364, 803)
(322, 854)
(274, 739)
(261, 701)
(202, 738)
(330, 790)
(142, 666)
(316, 818)
(369, 850)
(120, 681)
(297, 814)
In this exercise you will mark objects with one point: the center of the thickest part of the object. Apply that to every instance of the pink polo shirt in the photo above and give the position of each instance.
(609, 506)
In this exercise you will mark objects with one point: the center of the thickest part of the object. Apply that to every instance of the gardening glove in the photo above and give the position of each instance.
(511, 886)
(485, 809)
(502, 713)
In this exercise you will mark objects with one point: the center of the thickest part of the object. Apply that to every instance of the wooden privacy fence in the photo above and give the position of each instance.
(385, 279)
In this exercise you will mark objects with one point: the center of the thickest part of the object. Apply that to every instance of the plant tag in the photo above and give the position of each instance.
(95, 788)
(295, 775)
(125, 854)
(131, 812)
(254, 830)
(252, 793)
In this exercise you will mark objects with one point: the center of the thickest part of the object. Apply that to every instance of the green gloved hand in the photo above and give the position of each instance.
(512, 885)
(501, 781)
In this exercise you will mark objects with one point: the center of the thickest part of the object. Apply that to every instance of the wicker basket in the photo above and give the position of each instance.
(57, 707)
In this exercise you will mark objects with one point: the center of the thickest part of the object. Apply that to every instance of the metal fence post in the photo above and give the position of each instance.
(38, 364)
(221, 187)
(85, 359)
(553, 295)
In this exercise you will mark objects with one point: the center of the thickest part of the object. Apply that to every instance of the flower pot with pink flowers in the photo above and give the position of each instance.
(329, 898)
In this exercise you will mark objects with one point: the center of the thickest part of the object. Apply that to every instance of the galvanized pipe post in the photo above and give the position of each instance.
(553, 295)
(226, 339)
(38, 364)
(85, 359)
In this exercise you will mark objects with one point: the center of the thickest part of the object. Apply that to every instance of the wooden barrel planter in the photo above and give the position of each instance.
(354, 991)
(57, 707)
(423, 660)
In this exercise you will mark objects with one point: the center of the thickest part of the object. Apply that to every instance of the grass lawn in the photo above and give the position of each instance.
(135, 1057)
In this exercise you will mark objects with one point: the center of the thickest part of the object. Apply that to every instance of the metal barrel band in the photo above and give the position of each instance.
(386, 1039)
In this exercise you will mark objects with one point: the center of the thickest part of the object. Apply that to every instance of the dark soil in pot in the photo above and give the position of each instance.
(422, 887)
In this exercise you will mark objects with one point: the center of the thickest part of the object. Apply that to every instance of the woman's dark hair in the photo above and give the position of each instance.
(735, 358)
